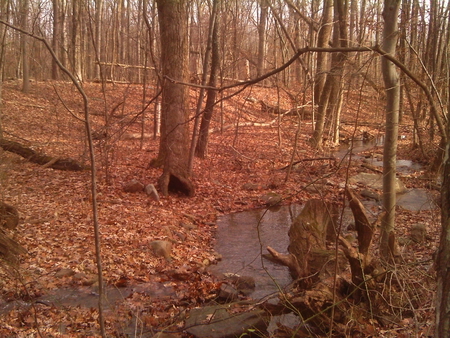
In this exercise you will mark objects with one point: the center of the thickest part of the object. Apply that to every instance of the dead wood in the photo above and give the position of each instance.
(362, 224)
(310, 160)
(290, 261)
(356, 261)
(268, 108)
(371, 167)
(41, 159)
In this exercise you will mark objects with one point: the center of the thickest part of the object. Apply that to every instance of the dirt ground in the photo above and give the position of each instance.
(56, 224)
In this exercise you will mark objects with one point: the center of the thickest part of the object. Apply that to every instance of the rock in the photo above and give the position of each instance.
(375, 181)
(150, 190)
(416, 200)
(243, 284)
(271, 199)
(133, 186)
(9, 217)
(162, 249)
(228, 293)
(370, 194)
(418, 233)
(216, 322)
(64, 273)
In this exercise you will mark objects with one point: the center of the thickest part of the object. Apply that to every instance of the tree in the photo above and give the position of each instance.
(264, 9)
(443, 256)
(3, 15)
(202, 144)
(76, 55)
(174, 146)
(24, 48)
(392, 85)
(56, 36)
(330, 92)
(323, 38)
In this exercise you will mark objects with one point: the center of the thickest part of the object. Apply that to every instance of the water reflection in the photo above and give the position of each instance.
(242, 238)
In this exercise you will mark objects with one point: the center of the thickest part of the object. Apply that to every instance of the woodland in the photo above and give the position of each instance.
(130, 129)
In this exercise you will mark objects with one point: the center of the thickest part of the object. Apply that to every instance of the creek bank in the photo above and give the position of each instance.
(88, 296)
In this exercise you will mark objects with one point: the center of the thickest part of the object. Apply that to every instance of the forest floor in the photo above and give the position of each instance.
(56, 222)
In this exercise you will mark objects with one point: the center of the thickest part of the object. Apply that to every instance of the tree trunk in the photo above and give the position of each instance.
(262, 37)
(323, 38)
(76, 39)
(443, 257)
(202, 144)
(3, 30)
(330, 94)
(391, 81)
(174, 148)
(206, 61)
(24, 47)
(56, 35)
(97, 37)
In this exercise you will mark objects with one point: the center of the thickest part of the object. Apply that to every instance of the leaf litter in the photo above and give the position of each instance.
(56, 217)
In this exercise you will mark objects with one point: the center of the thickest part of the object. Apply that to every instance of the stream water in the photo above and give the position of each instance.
(242, 238)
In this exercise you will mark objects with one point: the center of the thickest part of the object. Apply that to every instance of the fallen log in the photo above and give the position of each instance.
(41, 159)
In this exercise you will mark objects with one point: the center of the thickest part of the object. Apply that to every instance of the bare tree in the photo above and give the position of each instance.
(24, 47)
(262, 24)
(323, 38)
(76, 56)
(174, 146)
(330, 94)
(202, 144)
(391, 80)
(4, 9)
(443, 256)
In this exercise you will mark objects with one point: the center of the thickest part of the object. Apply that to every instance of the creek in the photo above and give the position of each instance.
(242, 238)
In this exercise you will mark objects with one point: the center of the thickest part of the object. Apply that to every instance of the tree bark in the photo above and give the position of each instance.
(24, 47)
(202, 144)
(97, 36)
(391, 81)
(174, 147)
(330, 94)
(323, 39)
(76, 40)
(264, 8)
(56, 35)
(206, 61)
(443, 257)
(3, 30)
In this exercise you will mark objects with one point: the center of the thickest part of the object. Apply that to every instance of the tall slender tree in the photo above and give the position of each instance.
(392, 85)
(24, 47)
(262, 24)
(202, 144)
